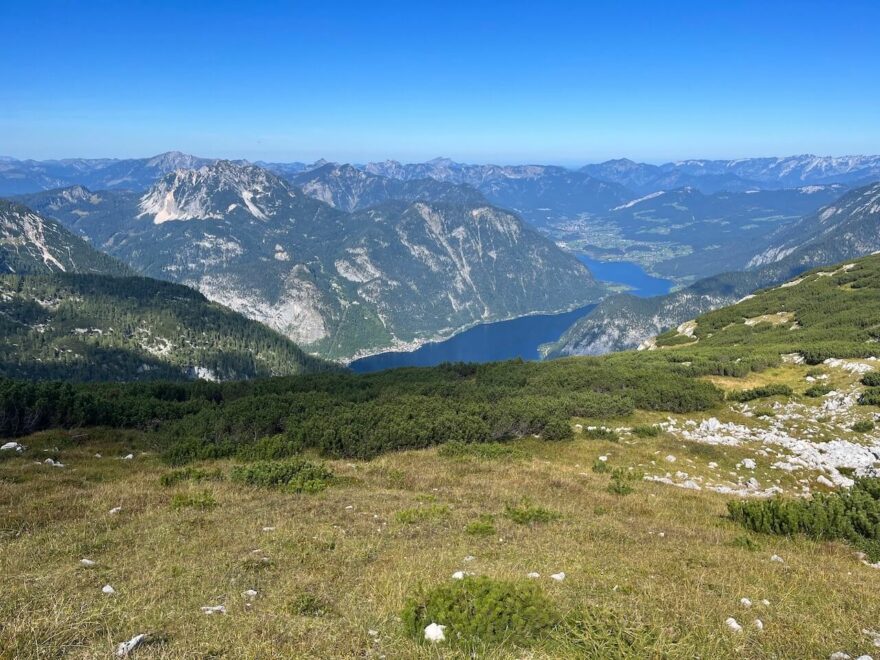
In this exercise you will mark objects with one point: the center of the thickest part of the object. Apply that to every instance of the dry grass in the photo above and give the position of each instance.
(651, 574)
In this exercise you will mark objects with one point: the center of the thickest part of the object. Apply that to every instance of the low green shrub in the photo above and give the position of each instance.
(482, 611)
(622, 480)
(196, 475)
(601, 467)
(199, 500)
(294, 475)
(820, 389)
(482, 527)
(307, 604)
(852, 514)
(863, 426)
(871, 379)
(557, 429)
(646, 431)
(526, 514)
(759, 393)
(870, 397)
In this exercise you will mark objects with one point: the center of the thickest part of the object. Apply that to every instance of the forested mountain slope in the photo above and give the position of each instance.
(93, 327)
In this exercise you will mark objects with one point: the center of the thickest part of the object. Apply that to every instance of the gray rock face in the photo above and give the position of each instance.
(341, 284)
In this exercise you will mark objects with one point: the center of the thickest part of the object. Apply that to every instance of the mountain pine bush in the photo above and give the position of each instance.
(481, 610)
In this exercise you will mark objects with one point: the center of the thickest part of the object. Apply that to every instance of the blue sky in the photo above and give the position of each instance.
(479, 81)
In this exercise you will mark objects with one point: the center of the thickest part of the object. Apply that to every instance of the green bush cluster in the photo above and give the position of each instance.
(871, 379)
(820, 389)
(852, 515)
(482, 611)
(359, 416)
(759, 393)
(294, 475)
(870, 397)
(863, 426)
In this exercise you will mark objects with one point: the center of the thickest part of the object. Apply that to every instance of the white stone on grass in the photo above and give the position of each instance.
(533, 575)
(759, 624)
(128, 457)
(107, 589)
(115, 510)
(434, 632)
(777, 558)
(12, 446)
(125, 648)
(87, 562)
(749, 464)
(745, 602)
(559, 577)
(670, 459)
(733, 625)
(214, 609)
(250, 594)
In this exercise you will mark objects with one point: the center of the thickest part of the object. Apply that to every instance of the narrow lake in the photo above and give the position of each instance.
(506, 340)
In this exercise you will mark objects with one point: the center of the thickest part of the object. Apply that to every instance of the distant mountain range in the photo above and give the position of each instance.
(495, 181)
(847, 229)
(70, 312)
(341, 284)
(737, 175)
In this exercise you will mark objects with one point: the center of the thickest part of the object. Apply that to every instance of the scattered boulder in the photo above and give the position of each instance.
(733, 625)
(108, 590)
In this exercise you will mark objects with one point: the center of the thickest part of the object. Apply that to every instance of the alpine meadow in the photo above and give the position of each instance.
(602, 381)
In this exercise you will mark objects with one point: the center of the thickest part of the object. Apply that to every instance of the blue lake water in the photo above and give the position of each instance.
(625, 272)
(506, 340)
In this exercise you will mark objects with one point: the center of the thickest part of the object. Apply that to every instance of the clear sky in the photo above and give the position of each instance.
(563, 82)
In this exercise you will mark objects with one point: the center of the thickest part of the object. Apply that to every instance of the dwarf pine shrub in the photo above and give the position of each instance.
(870, 397)
(852, 515)
(526, 514)
(759, 393)
(294, 475)
(871, 379)
(863, 426)
(817, 390)
(646, 431)
(481, 610)
(482, 527)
